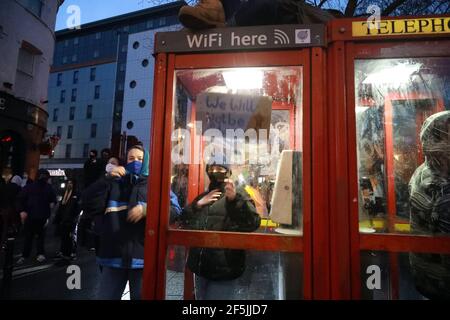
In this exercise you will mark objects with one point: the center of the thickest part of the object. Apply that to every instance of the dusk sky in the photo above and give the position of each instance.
(93, 10)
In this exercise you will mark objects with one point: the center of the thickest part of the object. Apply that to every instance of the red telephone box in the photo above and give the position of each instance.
(210, 80)
(395, 78)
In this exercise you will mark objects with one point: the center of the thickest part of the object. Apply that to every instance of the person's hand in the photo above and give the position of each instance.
(230, 190)
(211, 197)
(23, 216)
(136, 213)
(118, 172)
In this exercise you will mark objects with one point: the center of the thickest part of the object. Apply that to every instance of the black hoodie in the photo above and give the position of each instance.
(238, 215)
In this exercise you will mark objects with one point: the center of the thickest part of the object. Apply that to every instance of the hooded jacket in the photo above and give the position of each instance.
(121, 242)
(429, 190)
(238, 215)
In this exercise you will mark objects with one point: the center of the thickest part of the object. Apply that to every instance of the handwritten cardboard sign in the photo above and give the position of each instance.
(230, 111)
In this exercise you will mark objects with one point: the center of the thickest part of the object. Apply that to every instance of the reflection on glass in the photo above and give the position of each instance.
(387, 276)
(267, 276)
(394, 98)
(241, 121)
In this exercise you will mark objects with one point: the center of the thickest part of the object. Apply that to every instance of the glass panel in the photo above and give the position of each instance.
(402, 135)
(234, 150)
(261, 275)
(404, 276)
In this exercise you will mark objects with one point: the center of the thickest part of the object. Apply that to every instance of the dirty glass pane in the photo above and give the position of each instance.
(260, 275)
(236, 159)
(404, 276)
(403, 146)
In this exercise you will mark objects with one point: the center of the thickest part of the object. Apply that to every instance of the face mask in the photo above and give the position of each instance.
(110, 167)
(218, 176)
(134, 167)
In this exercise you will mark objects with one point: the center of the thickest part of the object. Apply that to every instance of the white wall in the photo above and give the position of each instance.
(141, 117)
(19, 24)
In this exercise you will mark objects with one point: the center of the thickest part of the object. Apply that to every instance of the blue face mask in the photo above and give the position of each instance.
(134, 167)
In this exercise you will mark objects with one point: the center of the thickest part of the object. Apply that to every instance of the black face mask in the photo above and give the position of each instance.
(217, 180)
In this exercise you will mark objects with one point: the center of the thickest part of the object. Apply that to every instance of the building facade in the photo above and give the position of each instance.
(27, 42)
(91, 88)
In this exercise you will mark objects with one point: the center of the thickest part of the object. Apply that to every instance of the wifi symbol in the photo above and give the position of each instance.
(280, 37)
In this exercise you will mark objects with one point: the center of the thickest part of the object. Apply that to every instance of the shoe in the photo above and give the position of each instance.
(40, 258)
(205, 14)
(20, 261)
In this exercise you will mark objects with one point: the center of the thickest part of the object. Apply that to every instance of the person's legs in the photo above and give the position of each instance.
(112, 283)
(28, 231)
(39, 227)
(256, 12)
(66, 242)
(135, 281)
(205, 14)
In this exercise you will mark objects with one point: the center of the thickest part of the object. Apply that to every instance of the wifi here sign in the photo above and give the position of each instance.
(223, 39)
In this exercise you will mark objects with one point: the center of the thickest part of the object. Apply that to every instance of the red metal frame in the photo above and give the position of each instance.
(391, 243)
(338, 188)
(389, 147)
(157, 224)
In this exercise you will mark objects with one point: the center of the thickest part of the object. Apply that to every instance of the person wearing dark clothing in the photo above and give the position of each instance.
(34, 203)
(221, 208)
(66, 219)
(105, 155)
(9, 218)
(93, 170)
(429, 191)
(218, 13)
(118, 202)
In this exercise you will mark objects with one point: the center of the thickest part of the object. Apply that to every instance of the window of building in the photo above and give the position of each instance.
(66, 43)
(93, 74)
(124, 48)
(162, 21)
(126, 28)
(120, 87)
(75, 40)
(35, 6)
(55, 114)
(70, 132)
(68, 151)
(64, 60)
(89, 112)
(74, 58)
(122, 67)
(96, 53)
(85, 150)
(145, 63)
(59, 79)
(72, 113)
(98, 35)
(97, 92)
(142, 103)
(133, 84)
(149, 24)
(136, 45)
(93, 130)
(130, 125)
(59, 131)
(74, 95)
(25, 62)
(75, 77)
(62, 97)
